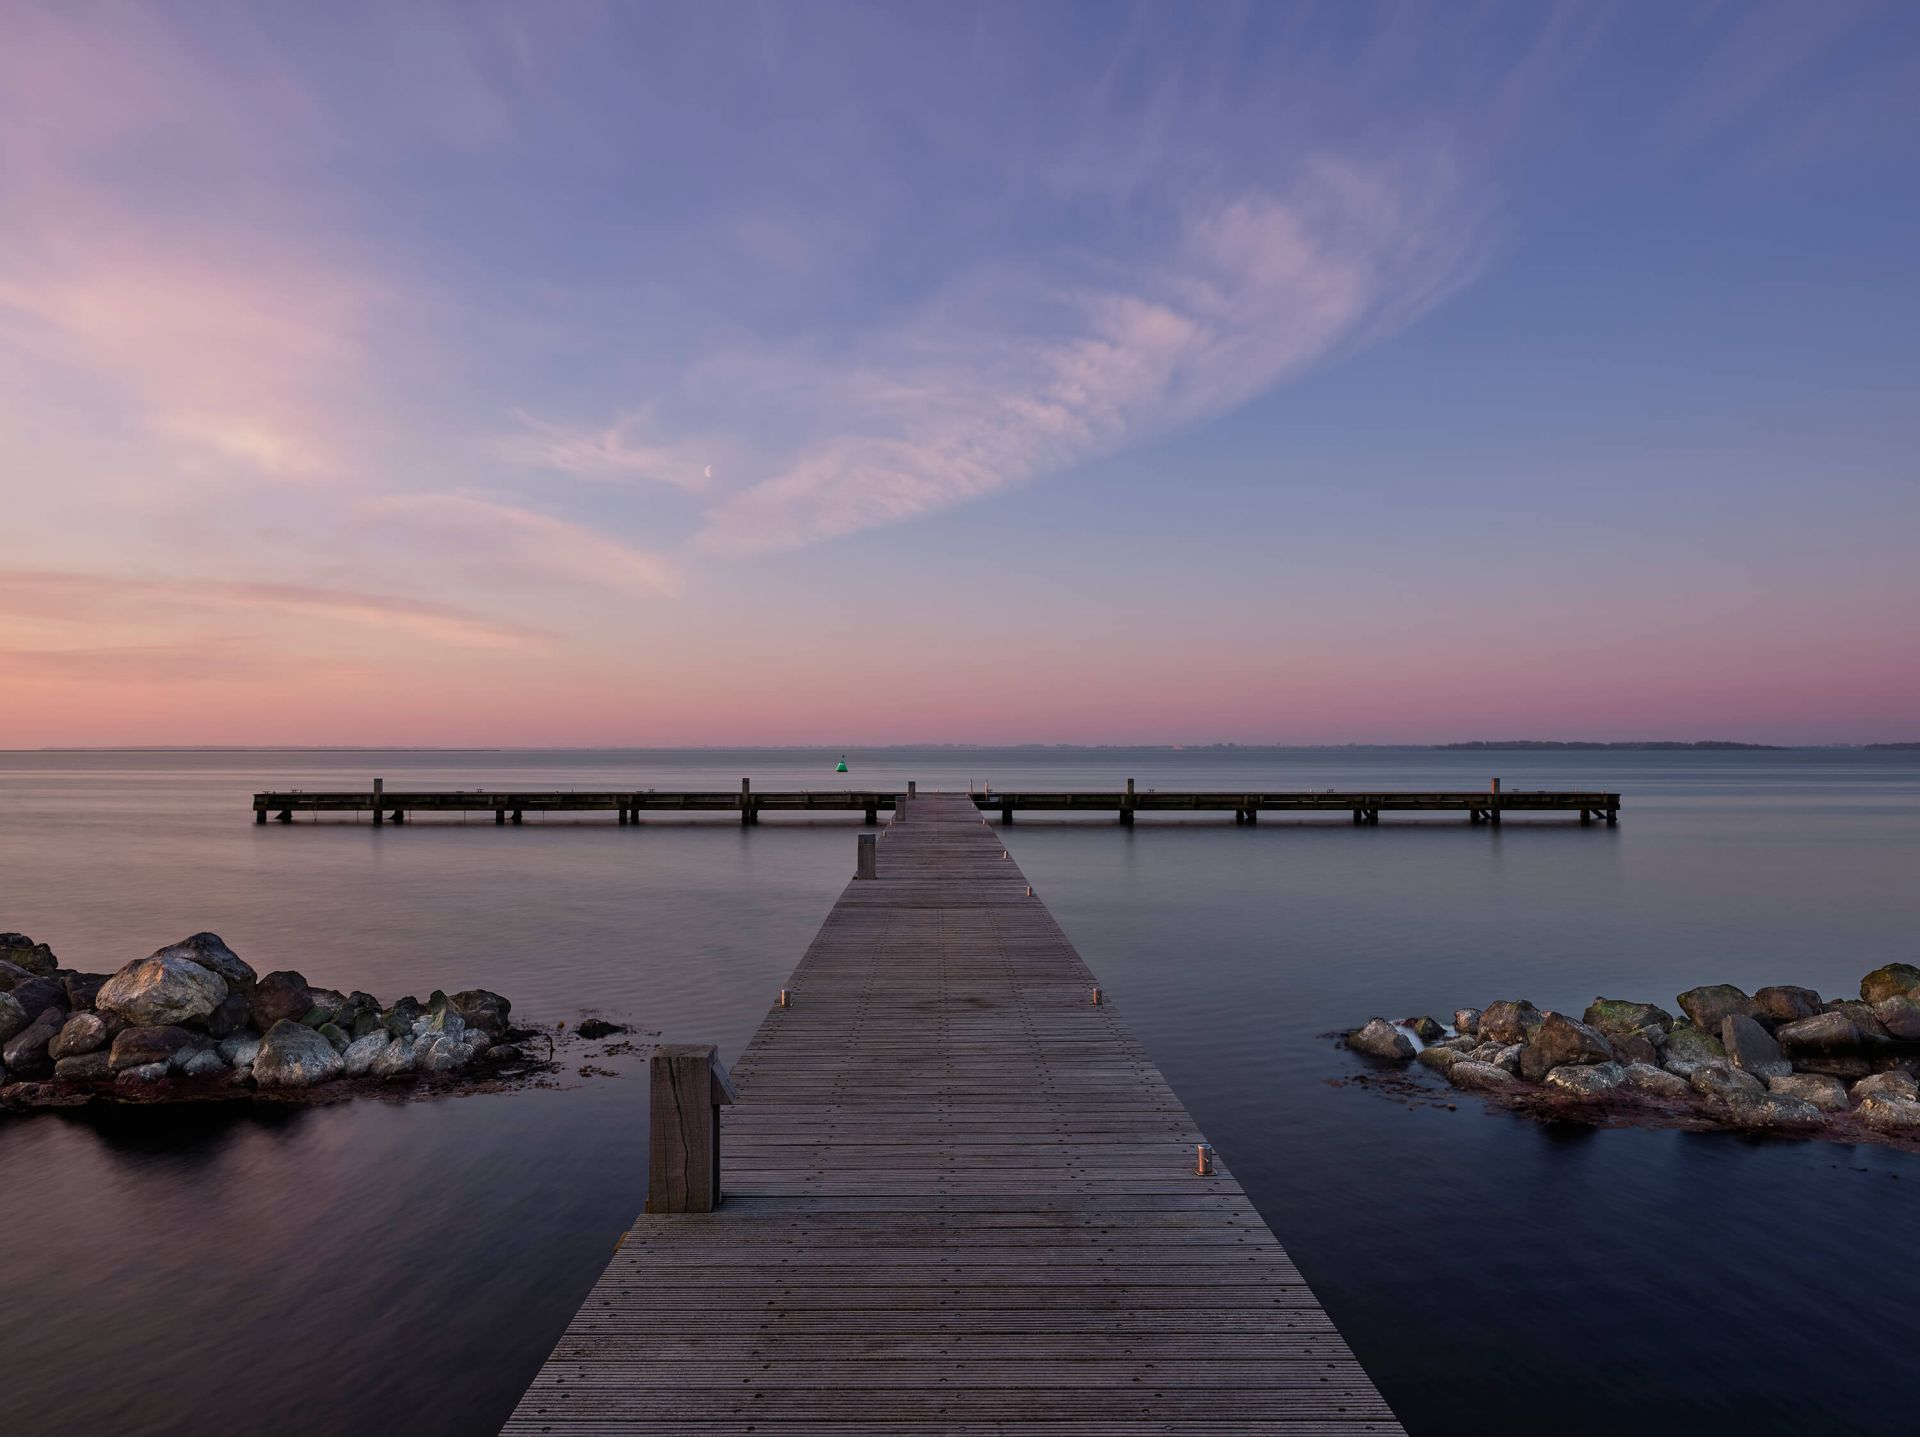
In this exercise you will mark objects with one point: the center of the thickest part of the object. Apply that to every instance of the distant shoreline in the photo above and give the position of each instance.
(1469, 746)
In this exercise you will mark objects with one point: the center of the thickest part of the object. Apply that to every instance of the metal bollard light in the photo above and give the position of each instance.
(1203, 1161)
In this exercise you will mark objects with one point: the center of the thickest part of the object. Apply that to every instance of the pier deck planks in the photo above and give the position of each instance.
(959, 1198)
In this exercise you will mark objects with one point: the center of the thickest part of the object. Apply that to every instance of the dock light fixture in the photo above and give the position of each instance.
(786, 998)
(1203, 1161)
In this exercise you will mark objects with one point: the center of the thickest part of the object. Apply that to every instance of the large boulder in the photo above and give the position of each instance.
(23, 952)
(1426, 1029)
(160, 991)
(1772, 1110)
(1751, 1047)
(1822, 1034)
(1725, 1082)
(212, 953)
(24, 1055)
(293, 1055)
(1886, 1113)
(1784, 1003)
(1882, 982)
(1689, 1049)
(82, 989)
(360, 1053)
(1486, 1076)
(1380, 1039)
(13, 1017)
(1827, 1094)
(1707, 1006)
(1561, 1042)
(1587, 1080)
(239, 1050)
(1656, 1082)
(489, 1012)
(1863, 1017)
(1900, 1016)
(1617, 1017)
(1847, 1067)
(281, 994)
(1511, 1020)
(81, 1033)
(1466, 1021)
(326, 1006)
(1640, 1047)
(139, 1047)
(231, 1016)
(1894, 1084)
(36, 995)
(394, 1061)
(1438, 1057)
(400, 1018)
(83, 1068)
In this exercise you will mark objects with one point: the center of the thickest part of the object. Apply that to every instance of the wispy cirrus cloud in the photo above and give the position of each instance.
(493, 541)
(620, 450)
(972, 395)
(116, 602)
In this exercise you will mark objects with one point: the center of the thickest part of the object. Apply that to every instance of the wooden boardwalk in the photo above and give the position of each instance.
(958, 1198)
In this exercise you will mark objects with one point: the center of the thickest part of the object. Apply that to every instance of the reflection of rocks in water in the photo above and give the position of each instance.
(1779, 1061)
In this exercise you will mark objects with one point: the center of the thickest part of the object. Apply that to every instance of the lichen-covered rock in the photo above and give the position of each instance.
(1656, 1082)
(83, 1068)
(211, 952)
(1772, 1110)
(1511, 1020)
(359, 1015)
(1466, 1021)
(1894, 1084)
(1587, 1080)
(1887, 1113)
(1824, 1033)
(1468, 1074)
(394, 1060)
(1427, 1030)
(1560, 1041)
(1882, 982)
(162, 991)
(292, 1055)
(1689, 1049)
(490, 1013)
(1617, 1017)
(1508, 1058)
(1638, 1047)
(1380, 1039)
(442, 1050)
(1900, 1016)
(240, 1049)
(1784, 1003)
(13, 1017)
(81, 1033)
(1725, 1082)
(325, 1006)
(1711, 1003)
(400, 1018)
(1439, 1058)
(1827, 1094)
(142, 1047)
(335, 1035)
(280, 995)
(23, 952)
(1751, 1048)
(360, 1053)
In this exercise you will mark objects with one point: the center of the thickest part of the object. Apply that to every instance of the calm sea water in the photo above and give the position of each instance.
(387, 1266)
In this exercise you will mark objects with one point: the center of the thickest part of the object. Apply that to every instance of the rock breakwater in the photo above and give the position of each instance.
(1780, 1059)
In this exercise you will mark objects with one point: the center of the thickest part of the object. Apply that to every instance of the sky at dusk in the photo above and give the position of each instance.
(646, 374)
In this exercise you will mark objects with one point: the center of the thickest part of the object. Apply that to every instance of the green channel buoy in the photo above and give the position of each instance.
(841, 767)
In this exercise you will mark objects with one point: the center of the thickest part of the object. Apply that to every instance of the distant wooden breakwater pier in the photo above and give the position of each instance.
(511, 806)
(943, 1190)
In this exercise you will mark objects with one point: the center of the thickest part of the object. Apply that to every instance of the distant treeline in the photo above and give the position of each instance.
(1905, 747)
(1647, 745)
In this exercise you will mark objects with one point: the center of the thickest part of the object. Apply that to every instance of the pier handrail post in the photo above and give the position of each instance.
(867, 856)
(687, 1090)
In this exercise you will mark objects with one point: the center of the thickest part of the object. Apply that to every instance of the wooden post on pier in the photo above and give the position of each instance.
(379, 790)
(912, 788)
(746, 800)
(1126, 807)
(689, 1087)
(866, 862)
(1493, 806)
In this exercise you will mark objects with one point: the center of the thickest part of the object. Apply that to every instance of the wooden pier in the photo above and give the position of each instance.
(1484, 806)
(955, 1197)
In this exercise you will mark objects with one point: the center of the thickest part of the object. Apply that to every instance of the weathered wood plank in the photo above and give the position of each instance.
(959, 1198)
